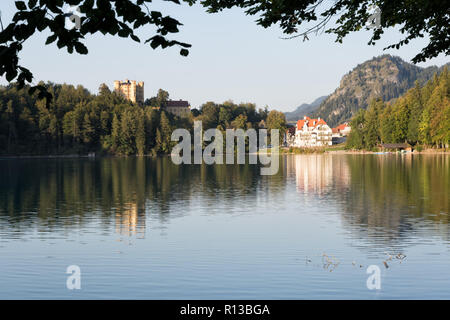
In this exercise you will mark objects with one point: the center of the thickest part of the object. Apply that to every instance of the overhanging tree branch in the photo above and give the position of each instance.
(416, 18)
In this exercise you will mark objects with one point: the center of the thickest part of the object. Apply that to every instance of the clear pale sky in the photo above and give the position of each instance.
(231, 58)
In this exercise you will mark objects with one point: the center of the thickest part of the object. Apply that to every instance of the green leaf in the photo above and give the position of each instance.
(11, 75)
(20, 5)
(32, 3)
(156, 41)
(51, 39)
(123, 33)
(135, 38)
(81, 48)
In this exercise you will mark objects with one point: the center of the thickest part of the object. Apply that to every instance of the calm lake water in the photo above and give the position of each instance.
(146, 228)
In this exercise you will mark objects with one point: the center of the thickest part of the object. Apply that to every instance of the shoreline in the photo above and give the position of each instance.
(387, 153)
(282, 151)
(71, 156)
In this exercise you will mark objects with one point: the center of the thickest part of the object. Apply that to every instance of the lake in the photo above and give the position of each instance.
(144, 228)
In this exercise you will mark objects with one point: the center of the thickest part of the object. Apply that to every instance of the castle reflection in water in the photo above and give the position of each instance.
(391, 192)
(130, 220)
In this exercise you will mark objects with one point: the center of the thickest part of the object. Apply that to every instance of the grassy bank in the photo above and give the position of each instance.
(343, 149)
(296, 150)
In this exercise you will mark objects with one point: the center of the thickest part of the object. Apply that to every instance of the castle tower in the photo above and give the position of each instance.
(130, 90)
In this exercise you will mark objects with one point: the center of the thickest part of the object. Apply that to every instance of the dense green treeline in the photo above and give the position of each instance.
(78, 122)
(420, 117)
(386, 77)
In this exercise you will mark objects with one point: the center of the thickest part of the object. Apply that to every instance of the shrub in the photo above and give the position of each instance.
(419, 148)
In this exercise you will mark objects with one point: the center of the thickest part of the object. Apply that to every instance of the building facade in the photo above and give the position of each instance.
(179, 108)
(342, 130)
(312, 133)
(340, 133)
(130, 90)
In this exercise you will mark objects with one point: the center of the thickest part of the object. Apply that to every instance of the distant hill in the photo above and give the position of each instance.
(386, 77)
(304, 109)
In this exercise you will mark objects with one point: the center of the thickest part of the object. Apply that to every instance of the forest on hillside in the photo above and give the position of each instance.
(421, 117)
(386, 77)
(78, 122)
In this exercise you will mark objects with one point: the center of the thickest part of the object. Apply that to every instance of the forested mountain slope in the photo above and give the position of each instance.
(386, 77)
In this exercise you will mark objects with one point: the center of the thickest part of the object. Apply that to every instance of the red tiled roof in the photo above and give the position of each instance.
(321, 121)
(300, 124)
(340, 127)
(310, 122)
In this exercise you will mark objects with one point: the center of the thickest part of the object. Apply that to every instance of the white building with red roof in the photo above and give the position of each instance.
(341, 130)
(312, 133)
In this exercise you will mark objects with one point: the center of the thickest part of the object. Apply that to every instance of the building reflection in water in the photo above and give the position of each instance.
(130, 220)
(394, 194)
(380, 199)
(317, 173)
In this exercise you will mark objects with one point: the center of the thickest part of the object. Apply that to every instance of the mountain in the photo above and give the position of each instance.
(386, 77)
(304, 109)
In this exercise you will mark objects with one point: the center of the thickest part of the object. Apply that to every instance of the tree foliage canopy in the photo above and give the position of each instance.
(78, 122)
(123, 17)
(414, 17)
(421, 116)
(114, 17)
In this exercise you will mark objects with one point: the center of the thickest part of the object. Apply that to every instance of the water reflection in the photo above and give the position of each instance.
(397, 197)
(381, 197)
(146, 228)
(68, 193)
(318, 174)
(130, 221)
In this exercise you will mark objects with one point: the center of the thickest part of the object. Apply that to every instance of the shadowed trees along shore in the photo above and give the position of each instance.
(78, 122)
